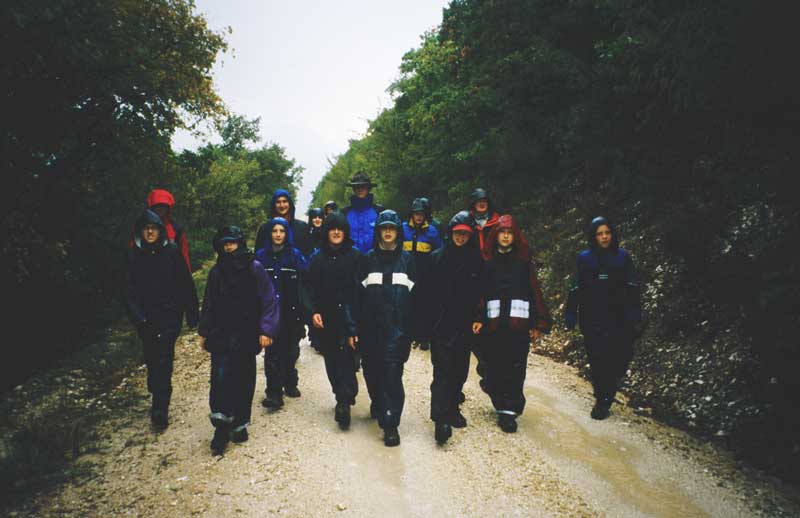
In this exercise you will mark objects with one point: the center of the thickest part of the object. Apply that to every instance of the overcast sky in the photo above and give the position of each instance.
(314, 71)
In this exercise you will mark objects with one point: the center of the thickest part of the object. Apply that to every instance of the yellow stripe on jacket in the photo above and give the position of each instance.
(425, 248)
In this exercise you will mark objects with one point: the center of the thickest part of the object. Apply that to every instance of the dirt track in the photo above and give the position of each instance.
(298, 463)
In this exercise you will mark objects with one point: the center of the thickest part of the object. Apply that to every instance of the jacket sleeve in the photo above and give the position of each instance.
(482, 288)
(354, 300)
(270, 307)
(207, 323)
(541, 315)
(131, 296)
(436, 242)
(311, 281)
(633, 307)
(183, 245)
(188, 291)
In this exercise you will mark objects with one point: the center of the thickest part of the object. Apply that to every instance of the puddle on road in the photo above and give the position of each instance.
(608, 459)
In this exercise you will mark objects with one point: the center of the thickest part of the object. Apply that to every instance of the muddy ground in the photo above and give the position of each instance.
(298, 463)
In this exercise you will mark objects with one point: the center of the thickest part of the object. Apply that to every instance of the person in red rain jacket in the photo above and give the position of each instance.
(161, 202)
(514, 314)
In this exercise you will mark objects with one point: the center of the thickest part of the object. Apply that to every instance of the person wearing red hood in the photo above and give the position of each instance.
(484, 218)
(161, 202)
(514, 314)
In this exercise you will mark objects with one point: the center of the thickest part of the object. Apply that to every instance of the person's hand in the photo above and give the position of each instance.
(352, 341)
(316, 319)
(476, 327)
(264, 341)
(536, 334)
(202, 341)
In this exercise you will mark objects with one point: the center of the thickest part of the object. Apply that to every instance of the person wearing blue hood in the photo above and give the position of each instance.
(282, 206)
(285, 265)
(159, 291)
(388, 275)
(604, 301)
(362, 212)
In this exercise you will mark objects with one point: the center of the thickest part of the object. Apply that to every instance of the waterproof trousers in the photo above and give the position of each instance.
(383, 374)
(279, 362)
(233, 384)
(340, 366)
(159, 357)
(506, 355)
(609, 356)
(450, 358)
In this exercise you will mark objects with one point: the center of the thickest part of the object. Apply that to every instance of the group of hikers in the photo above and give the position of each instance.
(368, 284)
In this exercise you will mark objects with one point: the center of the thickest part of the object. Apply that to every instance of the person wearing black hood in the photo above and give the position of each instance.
(282, 206)
(330, 206)
(426, 203)
(604, 300)
(315, 237)
(452, 291)
(240, 317)
(332, 301)
(159, 291)
(388, 275)
(484, 218)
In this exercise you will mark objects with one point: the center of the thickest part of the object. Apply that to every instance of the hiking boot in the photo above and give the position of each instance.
(391, 437)
(272, 401)
(442, 432)
(239, 435)
(159, 418)
(457, 419)
(292, 391)
(220, 440)
(342, 415)
(507, 423)
(601, 409)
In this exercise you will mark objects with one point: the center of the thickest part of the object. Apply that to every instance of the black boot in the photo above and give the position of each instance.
(601, 408)
(292, 391)
(391, 437)
(159, 417)
(457, 419)
(507, 423)
(239, 434)
(442, 432)
(342, 415)
(272, 401)
(220, 439)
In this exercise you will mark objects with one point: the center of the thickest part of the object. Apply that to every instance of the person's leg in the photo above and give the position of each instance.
(372, 366)
(393, 398)
(245, 376)
(272, 372)
(518, 369)
(441, 358)
(288, 365)
(163, 361)
(219, 400)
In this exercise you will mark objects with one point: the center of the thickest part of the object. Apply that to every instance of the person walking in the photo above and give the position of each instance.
(282, 206)
(387, 276)
(362, 212)
(240, 317)
(604, 301)
(159, 292)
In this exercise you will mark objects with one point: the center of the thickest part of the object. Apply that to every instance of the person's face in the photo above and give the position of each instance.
(328, 210)
(482, 205)
(230, 246)
(150, 233)
(278, 235)
(316, 221)
(282, 206)
(161, 209)
(418, 218)
(603, 236)
(461, 237)
(505, 238)
(335, 236)
(361, 190)
(388, 235)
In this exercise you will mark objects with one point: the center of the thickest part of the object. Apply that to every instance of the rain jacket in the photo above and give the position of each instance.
(361, 214)
(483, 232)
(420, 240)
(453, 286)
(239, 304)
(333, 286)
(513, 296)
(175, 232)
(285, 269)
(160, 289)
(387, 279)
(604, 295)
(299, 228)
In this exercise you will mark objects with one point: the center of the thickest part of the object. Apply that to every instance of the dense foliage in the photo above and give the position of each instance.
(677, 119)
(92, 92)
